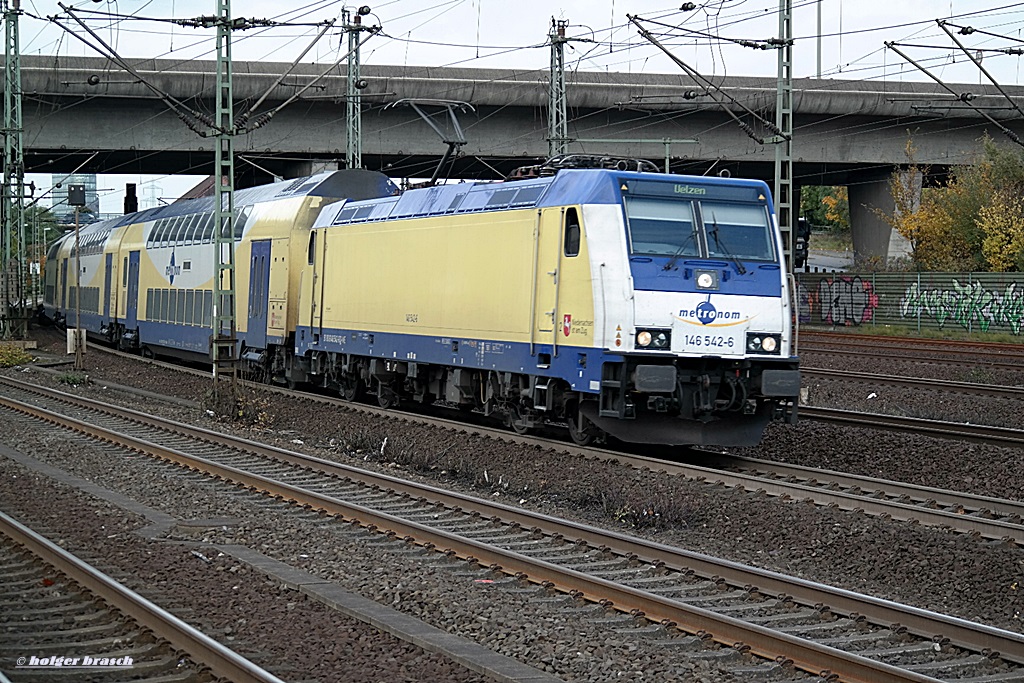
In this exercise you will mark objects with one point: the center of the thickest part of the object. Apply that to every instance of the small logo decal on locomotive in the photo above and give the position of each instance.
(705, 313)
(566, 324)
(171, 270)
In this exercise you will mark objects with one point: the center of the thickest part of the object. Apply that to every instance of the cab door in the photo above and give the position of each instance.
(546, 267)
(318, 261)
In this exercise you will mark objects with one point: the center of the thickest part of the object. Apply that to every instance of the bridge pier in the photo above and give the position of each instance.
(873, 238)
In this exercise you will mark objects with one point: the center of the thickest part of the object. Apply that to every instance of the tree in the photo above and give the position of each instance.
(970, 222)
(826, 206)
(1002, 223)
(837, 208)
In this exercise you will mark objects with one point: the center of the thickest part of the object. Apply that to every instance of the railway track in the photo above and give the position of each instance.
(988, 355)
(815, 627)
(953, 430)
(967, 388)
(59, 612)
(996, 436)
(975, 515)
(951, 345)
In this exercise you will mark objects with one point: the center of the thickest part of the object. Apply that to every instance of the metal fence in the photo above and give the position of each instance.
(972, 302)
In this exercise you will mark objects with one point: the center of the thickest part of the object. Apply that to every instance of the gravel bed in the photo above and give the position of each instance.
(925, 567)
(254, 614)
(905, 401)
(279, 628)
(977, 374)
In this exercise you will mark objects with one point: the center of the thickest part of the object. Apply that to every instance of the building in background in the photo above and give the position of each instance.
(59, 206)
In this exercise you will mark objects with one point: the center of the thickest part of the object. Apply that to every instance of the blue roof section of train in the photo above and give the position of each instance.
(334, 184)
(569, 186)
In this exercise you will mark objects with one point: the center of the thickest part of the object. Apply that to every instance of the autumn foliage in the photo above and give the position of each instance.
(975, 222)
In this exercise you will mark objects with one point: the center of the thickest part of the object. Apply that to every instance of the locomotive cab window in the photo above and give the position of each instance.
(661, 227)
(572, 232)
(737, 230)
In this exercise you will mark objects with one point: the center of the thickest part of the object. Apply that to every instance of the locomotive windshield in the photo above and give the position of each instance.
(659, 227)
(669, 227)
(737, 230)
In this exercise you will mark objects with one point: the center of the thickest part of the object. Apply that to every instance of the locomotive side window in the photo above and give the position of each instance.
(661, 227)
(737, 230)
(311, 252)
(572, 232)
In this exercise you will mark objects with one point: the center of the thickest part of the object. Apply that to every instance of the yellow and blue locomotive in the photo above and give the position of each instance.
(651, 307)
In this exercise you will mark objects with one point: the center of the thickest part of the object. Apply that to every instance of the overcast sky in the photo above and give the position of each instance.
(513, 34)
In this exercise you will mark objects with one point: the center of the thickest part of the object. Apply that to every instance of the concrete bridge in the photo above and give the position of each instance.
(845, 132)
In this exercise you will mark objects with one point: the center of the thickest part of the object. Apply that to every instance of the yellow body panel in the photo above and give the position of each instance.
(462, 275)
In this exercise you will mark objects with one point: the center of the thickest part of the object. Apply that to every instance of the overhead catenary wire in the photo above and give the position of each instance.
(744, 126)
(498, 142)
(981, 68)
(962, 96)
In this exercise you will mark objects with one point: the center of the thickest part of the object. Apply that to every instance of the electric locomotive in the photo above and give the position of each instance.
(651, 307)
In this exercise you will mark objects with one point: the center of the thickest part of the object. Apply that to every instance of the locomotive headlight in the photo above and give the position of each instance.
(705, 280)
(653, 339)
(762, 342)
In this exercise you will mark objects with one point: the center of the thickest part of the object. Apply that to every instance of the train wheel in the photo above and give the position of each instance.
(351, 388)
(387, 397)
(582, 431)
(517, 423)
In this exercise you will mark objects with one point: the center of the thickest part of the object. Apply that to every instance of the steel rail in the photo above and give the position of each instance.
(917, 382)
(873, 485)
(924, 623)
(876, 341)
(729, 631)
(891, 354)
(988, 528)
(205, 650)
(1000, 436)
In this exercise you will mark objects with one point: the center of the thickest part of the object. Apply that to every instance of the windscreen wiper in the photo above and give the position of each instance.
(725, 250)
(679, 252)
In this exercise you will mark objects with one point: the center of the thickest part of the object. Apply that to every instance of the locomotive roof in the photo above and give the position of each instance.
(570, 186)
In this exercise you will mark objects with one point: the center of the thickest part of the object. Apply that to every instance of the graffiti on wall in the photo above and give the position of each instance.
(969, 305)
(837, 301)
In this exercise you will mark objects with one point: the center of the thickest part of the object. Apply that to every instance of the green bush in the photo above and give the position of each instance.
(11, 355)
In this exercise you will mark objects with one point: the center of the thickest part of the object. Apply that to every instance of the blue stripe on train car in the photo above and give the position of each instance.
(171, 336)
(579, 366)
(760, 279)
